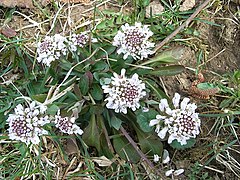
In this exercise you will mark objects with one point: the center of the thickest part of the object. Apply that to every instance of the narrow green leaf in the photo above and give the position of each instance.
(170, 56)
(168, 70)
(160, 94)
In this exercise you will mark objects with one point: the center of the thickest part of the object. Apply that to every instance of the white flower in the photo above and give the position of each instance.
(181, 122)
(156, 158)
(67, 125)
(124, 92)
(51, 48)
(26, 124)
(165, 158)
(134, 41)
(174, 172)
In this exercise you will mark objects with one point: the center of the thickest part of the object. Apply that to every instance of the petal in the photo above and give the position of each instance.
(160, 117)
(153, 122)
(165, 157)
(178, 172)
(169, 172)
(156, 158)
(176, 100)
(163, 132)
(171, 138)
(123, 71)
(184, 103)
(163, 104)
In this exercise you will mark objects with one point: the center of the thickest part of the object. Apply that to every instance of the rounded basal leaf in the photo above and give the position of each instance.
(97, 92)
(190, 143)
(100, 66)
(84, 84)
(143, 119)
(116, 122)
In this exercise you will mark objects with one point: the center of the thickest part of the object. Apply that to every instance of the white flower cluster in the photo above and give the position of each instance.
(53, 47)
(26, 124)
(134, 41)
(181, 123)
(124, 92)
(66, 125)
(78, 40)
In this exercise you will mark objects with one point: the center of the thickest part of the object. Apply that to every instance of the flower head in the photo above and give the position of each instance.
(181, 122)
(133, 41)
(26, 124)
(78, 40)
(67, 125)
(124, 92)
(51, 48)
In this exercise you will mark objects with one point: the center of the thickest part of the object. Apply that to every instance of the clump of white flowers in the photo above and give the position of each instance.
(53, 47)
(123, 92)
(67, 125)
(26, 124)
(181, 123)
(134, 41)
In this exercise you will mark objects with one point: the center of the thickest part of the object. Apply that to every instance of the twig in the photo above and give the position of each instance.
(140, 153)
(185, 24)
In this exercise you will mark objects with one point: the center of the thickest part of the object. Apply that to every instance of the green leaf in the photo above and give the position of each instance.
(170, 56)
(106, 148)
(143, 119)
(168, 70)
(91, 135)
(125, 150)
(159, 93)
(149, 143)
(84, 84)
(190, 143)
(205, 86)
(100, 66)
(116, 122)
(39, 97)
(53, 109)
(96, 92)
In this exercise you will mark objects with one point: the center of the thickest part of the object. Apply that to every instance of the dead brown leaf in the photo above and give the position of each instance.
(8, 32)
(187, 5)
(71, 146)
